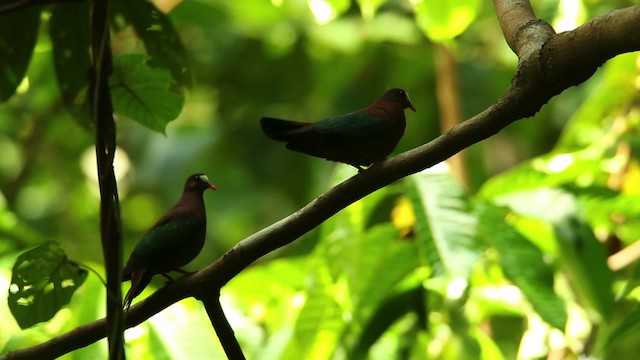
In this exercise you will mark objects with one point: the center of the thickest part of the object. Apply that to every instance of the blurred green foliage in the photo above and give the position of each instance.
(516, 262)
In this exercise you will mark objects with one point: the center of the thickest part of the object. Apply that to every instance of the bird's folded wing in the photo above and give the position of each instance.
(353, 126)
(165, 239)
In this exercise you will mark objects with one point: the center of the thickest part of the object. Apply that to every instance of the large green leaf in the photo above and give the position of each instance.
(616, 92)
(327, 10)
(142, 93)
(445, 227)
(70, 37)
(551, 170)
(320, 320)
(581, 255)
(384, 261)
(43, 281)
(161, 40)
(385, 315)
(368, 7)
(627, 330)
(584, 259)
(522, 263)
(20, 32)
(444, 20)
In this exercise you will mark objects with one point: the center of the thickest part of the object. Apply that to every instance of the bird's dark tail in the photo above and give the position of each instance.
(139, 281)
(281, 130)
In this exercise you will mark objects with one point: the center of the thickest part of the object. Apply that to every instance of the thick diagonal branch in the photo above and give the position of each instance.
(537, 80)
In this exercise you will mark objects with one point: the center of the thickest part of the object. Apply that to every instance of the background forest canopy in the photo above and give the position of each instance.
(525, 245)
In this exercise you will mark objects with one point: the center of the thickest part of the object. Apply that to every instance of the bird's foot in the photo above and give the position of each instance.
(185, 272)
(169, 278)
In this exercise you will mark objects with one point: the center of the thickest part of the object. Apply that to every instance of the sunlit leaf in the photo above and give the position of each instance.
(590, 122)
(161, 40)
(70, 40)
(444, 20)
(142, 93)
(521, 177)
(582, 255)
(183, 332)
(43, 281)
(320, 320)
(266, 292)
(600, 204)
(369, 7)
(551, 170)
(445, 228)
(522, 263)
(16, 48)
(327, 10)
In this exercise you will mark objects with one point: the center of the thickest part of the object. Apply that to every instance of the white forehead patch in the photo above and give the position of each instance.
(204, 178)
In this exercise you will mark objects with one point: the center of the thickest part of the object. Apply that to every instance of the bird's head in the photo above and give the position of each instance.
(198, 182)
(399, 96)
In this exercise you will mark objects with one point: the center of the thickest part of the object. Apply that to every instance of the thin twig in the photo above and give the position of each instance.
(219, 321)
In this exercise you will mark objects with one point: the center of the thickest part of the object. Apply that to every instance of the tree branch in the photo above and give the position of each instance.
(519, 23)
(545, 70)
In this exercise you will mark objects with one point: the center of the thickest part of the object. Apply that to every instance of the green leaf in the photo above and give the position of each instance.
(444, 20)
(583, 256)
(161, 40)
(20, 32)
(369, 7)
(521, 177)
(445, 227)
(585, 260)
(70, 39)
(327, 10)
(630, 325)
(142, 93)
(386, 261)
(616, 92)
(388, 313)
(522, 263)
(320, 320)
(43, 282)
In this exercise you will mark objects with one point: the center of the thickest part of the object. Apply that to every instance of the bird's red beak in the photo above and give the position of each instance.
(212, 187)
(412, 107)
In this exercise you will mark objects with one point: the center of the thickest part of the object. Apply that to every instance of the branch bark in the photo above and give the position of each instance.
(549, 64)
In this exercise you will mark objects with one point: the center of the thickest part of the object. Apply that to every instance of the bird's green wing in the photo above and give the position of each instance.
(353, 126)
(166, 239)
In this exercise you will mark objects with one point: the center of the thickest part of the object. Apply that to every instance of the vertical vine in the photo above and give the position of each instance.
(105, 130)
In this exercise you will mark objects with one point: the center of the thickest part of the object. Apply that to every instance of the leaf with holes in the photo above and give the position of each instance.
(43, 281)
(143, 94)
